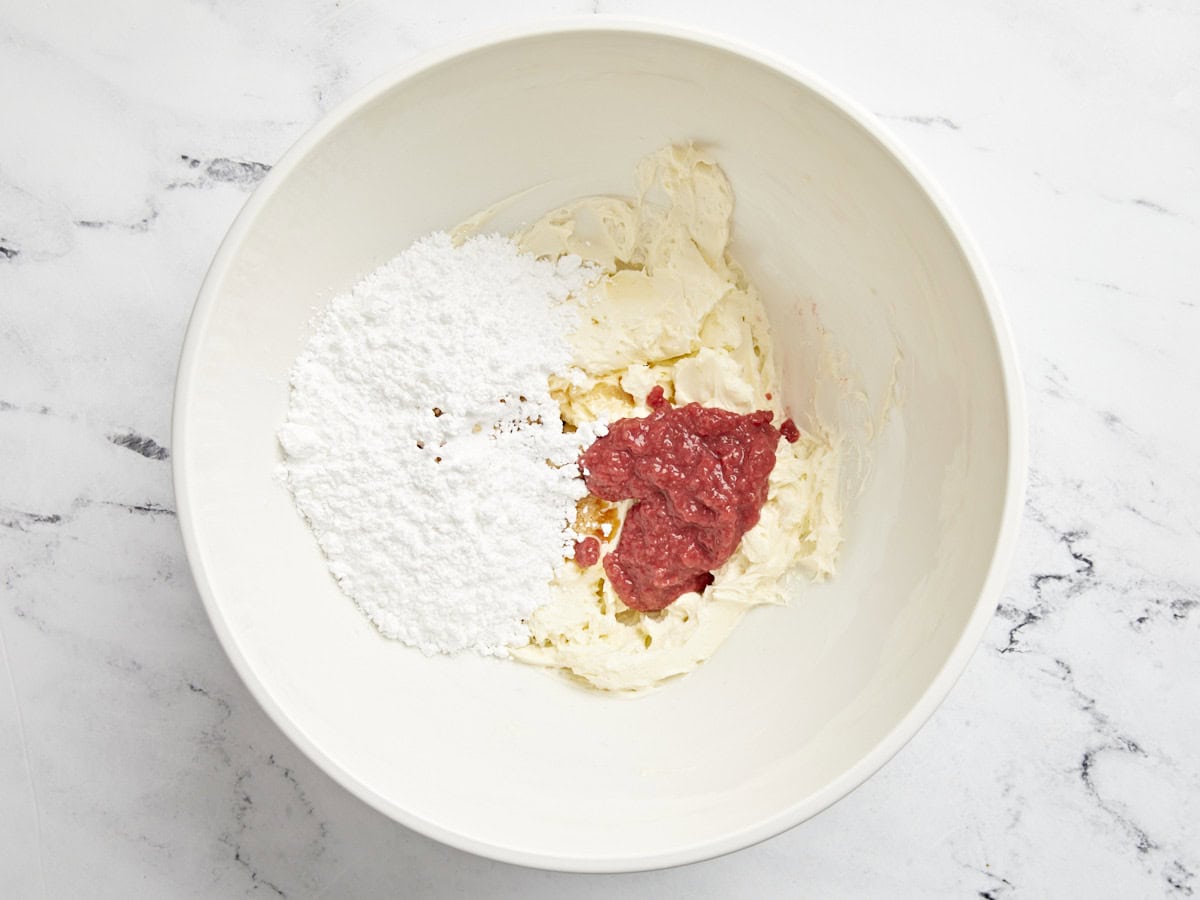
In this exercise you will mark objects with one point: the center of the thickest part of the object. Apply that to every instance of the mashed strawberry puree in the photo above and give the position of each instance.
(700, 478)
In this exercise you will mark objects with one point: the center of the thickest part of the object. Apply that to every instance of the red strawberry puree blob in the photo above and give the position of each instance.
(699, 477)
(587, 552)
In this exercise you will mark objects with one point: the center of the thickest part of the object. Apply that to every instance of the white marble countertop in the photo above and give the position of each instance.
(1064, 764)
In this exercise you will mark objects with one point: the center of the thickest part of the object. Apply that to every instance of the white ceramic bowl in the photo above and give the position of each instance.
(804, 702)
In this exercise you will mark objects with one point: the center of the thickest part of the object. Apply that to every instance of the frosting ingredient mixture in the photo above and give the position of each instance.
(586, 476)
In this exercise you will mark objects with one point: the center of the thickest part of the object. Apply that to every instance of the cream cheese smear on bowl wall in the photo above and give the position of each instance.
(567, 446)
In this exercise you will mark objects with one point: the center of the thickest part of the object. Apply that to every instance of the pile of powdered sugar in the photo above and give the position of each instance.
(423, 446)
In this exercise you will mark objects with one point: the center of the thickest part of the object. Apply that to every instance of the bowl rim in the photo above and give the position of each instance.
(1002, 551)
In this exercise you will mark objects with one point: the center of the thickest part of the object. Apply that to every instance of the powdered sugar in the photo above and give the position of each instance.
(424, 448)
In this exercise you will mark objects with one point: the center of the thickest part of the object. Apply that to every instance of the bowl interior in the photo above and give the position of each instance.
(804, 701)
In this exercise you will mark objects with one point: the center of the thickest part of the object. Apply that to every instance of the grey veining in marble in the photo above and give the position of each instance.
(1065, 762)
